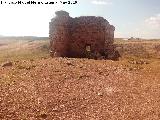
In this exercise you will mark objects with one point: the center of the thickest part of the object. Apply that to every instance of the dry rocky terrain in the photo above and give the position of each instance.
(80, 89)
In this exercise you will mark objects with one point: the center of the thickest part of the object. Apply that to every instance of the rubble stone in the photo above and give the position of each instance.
(6, 64)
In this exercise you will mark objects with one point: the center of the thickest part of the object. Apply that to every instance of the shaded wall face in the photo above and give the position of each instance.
(89, 31)
(86, 34)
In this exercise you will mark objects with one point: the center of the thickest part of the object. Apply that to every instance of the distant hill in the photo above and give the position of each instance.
(22, 38)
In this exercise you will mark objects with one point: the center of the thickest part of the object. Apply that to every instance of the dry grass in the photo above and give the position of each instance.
(28, 49)
(12, 50)
(148, 49)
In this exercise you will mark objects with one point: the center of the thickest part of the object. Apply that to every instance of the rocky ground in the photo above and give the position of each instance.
(79, 89)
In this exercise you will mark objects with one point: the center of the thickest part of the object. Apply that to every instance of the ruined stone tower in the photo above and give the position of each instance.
(86, 36)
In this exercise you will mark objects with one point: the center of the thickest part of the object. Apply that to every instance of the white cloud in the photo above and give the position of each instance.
(153, 22)
(149, 28)
(101, 2)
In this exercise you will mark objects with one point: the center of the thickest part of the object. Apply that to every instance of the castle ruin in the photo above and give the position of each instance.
(80, 37)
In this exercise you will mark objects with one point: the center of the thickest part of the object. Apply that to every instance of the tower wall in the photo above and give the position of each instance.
(70, 37)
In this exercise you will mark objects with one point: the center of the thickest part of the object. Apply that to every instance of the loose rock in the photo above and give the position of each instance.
(7, 64)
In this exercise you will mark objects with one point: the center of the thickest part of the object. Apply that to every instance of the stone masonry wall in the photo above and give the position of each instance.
(69, 37)
(59, 34)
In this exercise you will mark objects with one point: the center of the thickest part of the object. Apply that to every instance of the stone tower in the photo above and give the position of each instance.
(85, 36)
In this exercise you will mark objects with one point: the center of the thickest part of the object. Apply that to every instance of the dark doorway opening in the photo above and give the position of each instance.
(88, 50)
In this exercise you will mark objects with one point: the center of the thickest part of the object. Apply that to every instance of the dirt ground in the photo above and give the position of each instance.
(79, 89)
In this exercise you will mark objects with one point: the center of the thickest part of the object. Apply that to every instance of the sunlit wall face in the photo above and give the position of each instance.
(136, 18)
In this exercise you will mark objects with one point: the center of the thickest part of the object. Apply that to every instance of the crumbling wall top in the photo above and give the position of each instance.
(62, 13)
(91, 19)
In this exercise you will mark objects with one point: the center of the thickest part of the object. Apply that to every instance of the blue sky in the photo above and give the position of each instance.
(132, 18)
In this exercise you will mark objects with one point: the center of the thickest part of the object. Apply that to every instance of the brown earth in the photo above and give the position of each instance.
(79, 89)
